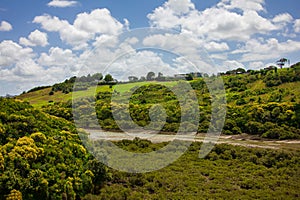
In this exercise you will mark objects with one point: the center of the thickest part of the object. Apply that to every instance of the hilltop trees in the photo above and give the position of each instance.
(150, 76)
(108, 78)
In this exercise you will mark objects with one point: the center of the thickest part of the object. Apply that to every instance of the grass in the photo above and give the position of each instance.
(126, 87)
(41, 97)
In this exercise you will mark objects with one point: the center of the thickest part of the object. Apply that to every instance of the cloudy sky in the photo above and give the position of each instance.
(43, 42)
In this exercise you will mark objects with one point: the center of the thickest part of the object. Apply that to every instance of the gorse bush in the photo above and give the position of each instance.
(42, 157)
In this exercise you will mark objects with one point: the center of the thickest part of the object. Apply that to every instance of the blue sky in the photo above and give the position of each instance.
(42, 42)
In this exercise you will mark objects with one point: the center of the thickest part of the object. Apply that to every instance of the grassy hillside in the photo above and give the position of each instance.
(264, 103)
(41, 97)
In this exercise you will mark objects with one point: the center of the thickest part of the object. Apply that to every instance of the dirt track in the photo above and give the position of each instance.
(241, 140)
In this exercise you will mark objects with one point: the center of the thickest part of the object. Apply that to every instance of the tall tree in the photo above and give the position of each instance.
(133, 78)
(150, 76)
(108, 78)
(281, 62)
(98, 76)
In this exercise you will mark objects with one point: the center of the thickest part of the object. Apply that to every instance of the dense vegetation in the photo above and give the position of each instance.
(270, 111)
(228, 172)
(41, 156)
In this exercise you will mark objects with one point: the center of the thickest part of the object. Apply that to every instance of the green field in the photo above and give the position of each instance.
(41, 97)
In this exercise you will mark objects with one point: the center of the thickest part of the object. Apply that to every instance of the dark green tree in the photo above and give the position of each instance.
(108, 78)
(150, 76)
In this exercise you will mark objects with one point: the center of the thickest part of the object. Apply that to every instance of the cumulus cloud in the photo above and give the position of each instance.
(85, 27)
(234, 22)
(215, 23)
(214, 46)
(180, 7)
(259, 49)
(283, 18)
(5, 26)
(245, 5)
(35, 38)
(62, 3)
(233, 64)
(297, 26)
(67, 32)
(256, 65)
(57, 57)
(139, 63)
(22, 70)
(168, 15)
(28, 67)
(11, 53)
(98, 21)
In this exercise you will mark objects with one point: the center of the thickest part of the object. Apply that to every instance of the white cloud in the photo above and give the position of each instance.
(214, 46)
(62, 3)
(85, 27)
(180, 7)
(245, 5)
(182, 65)
(11, 53)
(35, 38)
(68, 33)
(105, 41)
(256, 65)
(232, 64)
(187, 46)
(258, 50)
(139, 63)
(98, 21)
(220, 24)
(126, 23)
(168, 15)
(163, 17)
(283, 18)
(216, 23)
(219, 56)
(5, 26)
(27, 67)
(58, 57)
(297, 26)
(28, 72)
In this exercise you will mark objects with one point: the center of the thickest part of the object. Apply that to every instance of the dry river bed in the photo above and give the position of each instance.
(241, 140)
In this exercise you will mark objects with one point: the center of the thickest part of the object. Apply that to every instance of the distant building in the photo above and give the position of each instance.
(180, 75)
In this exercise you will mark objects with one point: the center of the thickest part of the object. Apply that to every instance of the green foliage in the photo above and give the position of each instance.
(108, 78)
(283, 76)
(150, 76)
(250, 95)
(38, 88)
(63, 110)
(41, 156)
(227, 172)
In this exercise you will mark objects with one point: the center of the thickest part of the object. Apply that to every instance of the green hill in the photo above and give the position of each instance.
(264, 103)
(42, 156)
